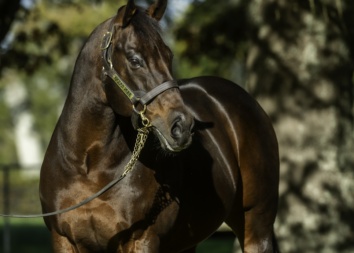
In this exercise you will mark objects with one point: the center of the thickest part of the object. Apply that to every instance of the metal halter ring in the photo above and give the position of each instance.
(144, 120)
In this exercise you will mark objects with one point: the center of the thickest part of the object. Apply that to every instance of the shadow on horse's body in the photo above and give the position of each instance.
(171, 200)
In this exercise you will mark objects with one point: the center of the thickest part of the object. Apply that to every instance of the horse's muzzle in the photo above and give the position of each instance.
(180, 133)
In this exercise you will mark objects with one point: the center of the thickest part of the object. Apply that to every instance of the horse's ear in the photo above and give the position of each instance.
(126, 13)
(157, 9)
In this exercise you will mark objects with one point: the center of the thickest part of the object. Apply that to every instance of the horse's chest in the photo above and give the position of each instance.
(91, 225)
(123, 214)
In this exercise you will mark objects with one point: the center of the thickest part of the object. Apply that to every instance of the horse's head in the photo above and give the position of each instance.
(139, 65)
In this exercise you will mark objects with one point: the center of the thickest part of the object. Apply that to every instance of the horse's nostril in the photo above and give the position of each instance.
(176, 130)
(181, 130)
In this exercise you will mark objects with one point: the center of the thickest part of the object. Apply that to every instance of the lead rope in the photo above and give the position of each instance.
(141, 138)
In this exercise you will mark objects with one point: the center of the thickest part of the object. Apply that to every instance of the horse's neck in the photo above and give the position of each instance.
(88, 126)
(88, 134)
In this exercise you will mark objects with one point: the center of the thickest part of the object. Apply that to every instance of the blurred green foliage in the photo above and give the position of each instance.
(295, 57)
(210, 37)
(44, 43)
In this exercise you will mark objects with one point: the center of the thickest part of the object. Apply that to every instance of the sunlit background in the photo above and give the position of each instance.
(295, 57)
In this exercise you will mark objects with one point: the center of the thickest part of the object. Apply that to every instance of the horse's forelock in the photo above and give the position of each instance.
(146, 28)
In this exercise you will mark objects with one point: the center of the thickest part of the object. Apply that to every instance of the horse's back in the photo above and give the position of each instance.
(240, 139)
(229, 112)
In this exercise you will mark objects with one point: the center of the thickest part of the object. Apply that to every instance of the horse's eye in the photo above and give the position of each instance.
(135, 62)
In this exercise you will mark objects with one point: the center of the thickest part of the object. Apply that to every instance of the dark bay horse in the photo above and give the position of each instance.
(212, 156)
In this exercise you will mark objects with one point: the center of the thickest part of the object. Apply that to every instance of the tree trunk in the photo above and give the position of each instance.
(300, 69)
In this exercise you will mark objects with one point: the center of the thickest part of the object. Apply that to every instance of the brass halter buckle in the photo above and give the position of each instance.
(144, 120)
(106, 40)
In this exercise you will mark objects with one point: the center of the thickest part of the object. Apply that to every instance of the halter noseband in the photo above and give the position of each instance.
(135, 97)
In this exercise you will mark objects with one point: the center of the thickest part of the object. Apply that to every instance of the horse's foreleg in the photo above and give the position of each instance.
(61, 244)
(148, 242)
(254, 231)
(258, 239)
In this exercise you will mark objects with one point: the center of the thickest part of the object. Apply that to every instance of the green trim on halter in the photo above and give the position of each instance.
(122, 86)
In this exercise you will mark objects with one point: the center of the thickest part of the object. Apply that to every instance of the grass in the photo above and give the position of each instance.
(221, 242)
(27, 236)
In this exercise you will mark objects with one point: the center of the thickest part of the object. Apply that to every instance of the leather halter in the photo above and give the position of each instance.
(136, 97)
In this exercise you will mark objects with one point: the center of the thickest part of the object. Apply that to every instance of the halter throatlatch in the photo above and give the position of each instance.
(135, 97)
